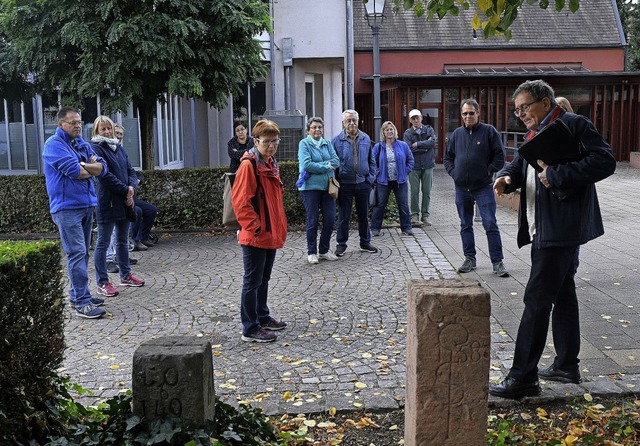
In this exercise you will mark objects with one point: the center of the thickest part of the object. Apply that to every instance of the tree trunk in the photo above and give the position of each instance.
(145, 112)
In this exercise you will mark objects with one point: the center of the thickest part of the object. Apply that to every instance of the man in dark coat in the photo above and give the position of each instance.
(559, 211)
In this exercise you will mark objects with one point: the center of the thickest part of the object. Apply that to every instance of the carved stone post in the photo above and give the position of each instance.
(448, 355)
(173, 377)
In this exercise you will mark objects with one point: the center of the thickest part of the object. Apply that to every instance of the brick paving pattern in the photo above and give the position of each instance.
(347, 318)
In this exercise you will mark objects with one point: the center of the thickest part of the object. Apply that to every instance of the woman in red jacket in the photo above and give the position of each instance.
(257, 198)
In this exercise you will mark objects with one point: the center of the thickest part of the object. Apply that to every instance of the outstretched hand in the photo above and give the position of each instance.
(501, 184)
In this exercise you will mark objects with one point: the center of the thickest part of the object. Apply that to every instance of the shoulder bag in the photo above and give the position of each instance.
(334, 187)
(229, 219)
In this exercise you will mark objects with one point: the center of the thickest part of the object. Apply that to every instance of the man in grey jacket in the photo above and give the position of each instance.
(422, 142)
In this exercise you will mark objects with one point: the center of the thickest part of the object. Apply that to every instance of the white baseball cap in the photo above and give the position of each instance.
(414, 112)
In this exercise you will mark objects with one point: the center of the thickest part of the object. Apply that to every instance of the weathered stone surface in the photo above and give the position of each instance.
(173, 377)
(448, 354)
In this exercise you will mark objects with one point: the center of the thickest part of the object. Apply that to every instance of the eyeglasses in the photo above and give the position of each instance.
(274, 143)
(350, 121)
(470, 113)
(524, 108)
(74, 123)
(319, 127)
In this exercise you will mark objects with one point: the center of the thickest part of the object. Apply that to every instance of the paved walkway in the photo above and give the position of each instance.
(347, 319)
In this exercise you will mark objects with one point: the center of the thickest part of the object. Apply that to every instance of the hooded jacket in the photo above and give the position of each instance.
(61, 169)
(266, 228)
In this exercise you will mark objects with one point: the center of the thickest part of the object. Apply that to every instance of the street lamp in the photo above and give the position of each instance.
(375, 17)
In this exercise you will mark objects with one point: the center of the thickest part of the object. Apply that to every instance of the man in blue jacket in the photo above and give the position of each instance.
(356, 175)
(474, 153)
(69, 167)
(559, 211)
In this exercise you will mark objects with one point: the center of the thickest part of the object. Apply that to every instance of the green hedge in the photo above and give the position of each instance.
(24, 205)
(31, 333)
(186, 199)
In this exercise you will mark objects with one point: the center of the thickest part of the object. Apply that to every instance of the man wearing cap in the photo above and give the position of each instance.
(422, 142)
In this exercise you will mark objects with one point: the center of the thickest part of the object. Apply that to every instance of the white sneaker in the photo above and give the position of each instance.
(328, 256)
(313, 258)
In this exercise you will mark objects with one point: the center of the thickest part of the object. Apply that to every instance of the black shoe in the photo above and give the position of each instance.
(407, 232)
(551, 373)
(512, 388)
(368, 247)
(340, 250)
(133, 261)
(112, 267)
(148, 243)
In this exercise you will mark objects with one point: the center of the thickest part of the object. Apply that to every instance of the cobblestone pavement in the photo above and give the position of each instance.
(347, 319)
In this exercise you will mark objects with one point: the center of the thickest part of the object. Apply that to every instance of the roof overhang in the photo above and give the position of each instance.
(489, 70)
(506, 75)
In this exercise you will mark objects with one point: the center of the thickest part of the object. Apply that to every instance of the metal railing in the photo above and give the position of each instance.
(511, 141)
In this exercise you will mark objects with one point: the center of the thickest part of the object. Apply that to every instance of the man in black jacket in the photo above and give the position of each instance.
(559, 211)
(474, 153)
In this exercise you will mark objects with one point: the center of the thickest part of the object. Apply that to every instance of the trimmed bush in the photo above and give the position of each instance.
(186, 199)
(24, 205)
(31, 334)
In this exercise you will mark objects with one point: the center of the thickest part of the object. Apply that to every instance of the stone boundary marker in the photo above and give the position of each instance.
(448, 355)
(173, 377)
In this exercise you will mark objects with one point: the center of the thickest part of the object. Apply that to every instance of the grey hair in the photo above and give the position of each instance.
(312, 120)
(538, 89)
(471, 102)
(350, 112)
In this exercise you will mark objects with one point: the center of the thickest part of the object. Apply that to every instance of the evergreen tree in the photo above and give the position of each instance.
(633, 37)
(135, 50)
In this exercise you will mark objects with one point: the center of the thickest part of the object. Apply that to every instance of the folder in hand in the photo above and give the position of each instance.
(554, 144)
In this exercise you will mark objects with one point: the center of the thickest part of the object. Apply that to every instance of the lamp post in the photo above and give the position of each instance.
(375, 17)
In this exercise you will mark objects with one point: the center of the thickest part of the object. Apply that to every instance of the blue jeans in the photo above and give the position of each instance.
(486, 200)
(421, 181)
(145, 216)
(401, 192)
(258, 264)
(349, 192)
(122, 249)
(111, 250)
(75, 227)
(314, 202)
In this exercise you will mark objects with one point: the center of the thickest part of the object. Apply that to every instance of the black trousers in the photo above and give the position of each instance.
(551, 291)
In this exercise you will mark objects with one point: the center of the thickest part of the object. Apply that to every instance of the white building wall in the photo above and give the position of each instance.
(318, 34)
(319, 46)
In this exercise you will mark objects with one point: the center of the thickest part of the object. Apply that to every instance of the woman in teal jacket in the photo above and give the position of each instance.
(318, 162)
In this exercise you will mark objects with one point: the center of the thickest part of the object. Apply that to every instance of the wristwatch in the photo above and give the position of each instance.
(83, 164)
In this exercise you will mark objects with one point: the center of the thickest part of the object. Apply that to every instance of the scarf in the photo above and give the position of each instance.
(111, 142)
(317, 143)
